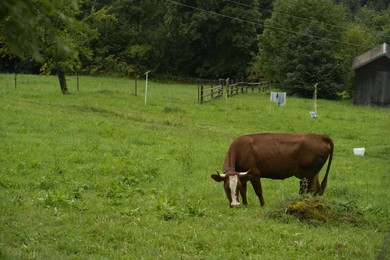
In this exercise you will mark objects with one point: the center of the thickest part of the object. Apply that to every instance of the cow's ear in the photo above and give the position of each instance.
(217, 177)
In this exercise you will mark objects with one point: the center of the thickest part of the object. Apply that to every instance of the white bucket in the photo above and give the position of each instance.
(359, 151)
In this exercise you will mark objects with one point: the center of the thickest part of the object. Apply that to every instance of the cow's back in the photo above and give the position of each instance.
(279, 156)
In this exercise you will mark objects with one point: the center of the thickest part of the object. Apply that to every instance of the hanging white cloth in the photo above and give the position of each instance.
(278, 97)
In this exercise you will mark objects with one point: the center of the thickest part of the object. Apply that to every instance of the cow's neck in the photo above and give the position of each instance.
(228, 164)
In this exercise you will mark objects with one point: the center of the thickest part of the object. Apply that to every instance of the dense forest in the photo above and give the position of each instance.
(292, 43)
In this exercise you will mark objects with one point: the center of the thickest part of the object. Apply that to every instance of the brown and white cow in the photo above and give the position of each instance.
(275, 156)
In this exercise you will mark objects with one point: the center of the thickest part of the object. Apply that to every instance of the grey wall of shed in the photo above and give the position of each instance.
(372, 83)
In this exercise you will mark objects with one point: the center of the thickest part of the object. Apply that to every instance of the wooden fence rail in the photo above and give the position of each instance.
(206, 94)
(209, 93)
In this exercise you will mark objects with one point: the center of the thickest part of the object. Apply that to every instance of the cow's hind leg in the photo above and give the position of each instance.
(315, 185)
(309, 185)
(303, 185)
(258, 190)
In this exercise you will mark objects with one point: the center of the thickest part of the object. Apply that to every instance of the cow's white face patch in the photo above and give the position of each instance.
(233, 181)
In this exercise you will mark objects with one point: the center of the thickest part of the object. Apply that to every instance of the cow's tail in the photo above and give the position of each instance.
(329, 141)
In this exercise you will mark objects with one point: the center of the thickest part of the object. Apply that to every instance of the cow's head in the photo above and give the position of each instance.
(232, 185)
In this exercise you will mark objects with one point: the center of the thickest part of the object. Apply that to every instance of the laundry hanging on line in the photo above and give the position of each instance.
(279, 97)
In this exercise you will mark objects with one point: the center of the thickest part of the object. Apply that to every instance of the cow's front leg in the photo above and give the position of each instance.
(258, 190)
(243, 193)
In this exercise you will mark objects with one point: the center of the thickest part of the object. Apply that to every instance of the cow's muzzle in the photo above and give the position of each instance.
(234, 204)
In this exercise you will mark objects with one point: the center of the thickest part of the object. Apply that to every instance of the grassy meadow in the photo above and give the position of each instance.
(98, 175)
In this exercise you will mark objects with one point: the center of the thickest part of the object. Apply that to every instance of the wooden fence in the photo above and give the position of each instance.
(210, 91)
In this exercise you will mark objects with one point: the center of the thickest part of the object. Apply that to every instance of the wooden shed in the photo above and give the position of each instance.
(372, 77)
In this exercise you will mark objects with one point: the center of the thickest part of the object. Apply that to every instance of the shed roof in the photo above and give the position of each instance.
(382, 50)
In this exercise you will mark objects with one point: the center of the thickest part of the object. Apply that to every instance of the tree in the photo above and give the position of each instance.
(311, 63)
(376, 23)
(19, 20)
(354, 5)
(213, 38)
(74, 36)
(129, 43)
(302, 45)
(48, 31)
(184, 38)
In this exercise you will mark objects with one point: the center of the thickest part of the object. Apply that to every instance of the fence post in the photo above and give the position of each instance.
(221, 83)
(198, 93)
(146, 85)
(201, 93)
(135, 86)
(78, 85)
(227, 88)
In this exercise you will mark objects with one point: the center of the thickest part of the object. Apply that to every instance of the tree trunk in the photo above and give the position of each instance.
(62, 80)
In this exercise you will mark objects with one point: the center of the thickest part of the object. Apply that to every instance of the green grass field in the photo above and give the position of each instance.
(98, 175)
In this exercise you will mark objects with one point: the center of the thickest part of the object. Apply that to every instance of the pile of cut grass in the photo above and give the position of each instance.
(319, 211)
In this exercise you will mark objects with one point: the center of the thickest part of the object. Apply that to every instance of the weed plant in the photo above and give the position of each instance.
(98, 174)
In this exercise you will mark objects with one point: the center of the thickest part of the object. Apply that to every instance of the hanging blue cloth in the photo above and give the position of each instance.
(281, 99)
